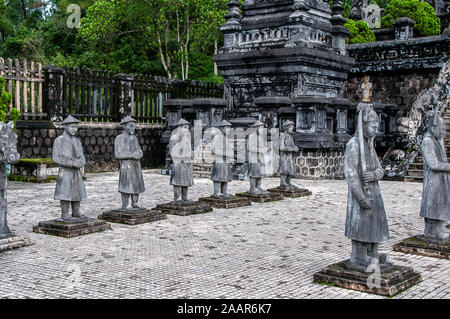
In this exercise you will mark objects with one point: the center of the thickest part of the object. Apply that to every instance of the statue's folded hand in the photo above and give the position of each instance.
(366, 203)
(369, 177)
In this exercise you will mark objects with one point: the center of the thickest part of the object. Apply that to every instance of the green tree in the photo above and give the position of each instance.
(5, 100)
(359, 32)
(427, 23)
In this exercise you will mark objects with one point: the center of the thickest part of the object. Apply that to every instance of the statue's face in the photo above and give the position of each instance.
(260, 129)
(439, 130)
(290, 128)
(130, 128)
(184, 129)
(225, 130)
(71, 129)
(371, 128)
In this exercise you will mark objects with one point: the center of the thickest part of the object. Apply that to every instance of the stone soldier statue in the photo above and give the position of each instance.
(257, 150)
(68, 154)
(287, 149)
(180, 150)
(436, 181)
(129, 152)
(366, 223)
(223, 161)
(8, 155)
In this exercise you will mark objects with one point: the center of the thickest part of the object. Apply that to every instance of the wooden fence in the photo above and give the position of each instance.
(94, 95)
(25, 81)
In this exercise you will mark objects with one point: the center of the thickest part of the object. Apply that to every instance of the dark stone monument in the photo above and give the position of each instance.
(70, 191)
(366, 225)
(435, 208)
(8, 155)
(131, 180)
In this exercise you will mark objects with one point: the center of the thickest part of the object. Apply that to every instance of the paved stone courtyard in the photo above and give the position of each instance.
(268, 250)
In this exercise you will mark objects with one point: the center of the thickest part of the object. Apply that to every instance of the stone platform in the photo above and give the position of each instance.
(291, 193)
(14, 242)
(185, 209)
(419, 245)
(71, 228)
(271, 197)
(226, 202)
(394, 279)
(132, 217)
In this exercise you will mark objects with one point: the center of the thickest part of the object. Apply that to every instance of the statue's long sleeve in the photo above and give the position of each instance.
(431, 158)
(352, 170)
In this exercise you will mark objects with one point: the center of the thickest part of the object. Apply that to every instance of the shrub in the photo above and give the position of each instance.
(427, 23)
(5, 100)
(359, 32)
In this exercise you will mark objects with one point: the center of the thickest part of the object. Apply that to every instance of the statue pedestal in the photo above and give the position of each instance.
(14, 242)
(291, 193)
(184, 209)
(226, 202)
(133, 216)
(271, 197)
(393, 279)
(70, 229)
(420, 245)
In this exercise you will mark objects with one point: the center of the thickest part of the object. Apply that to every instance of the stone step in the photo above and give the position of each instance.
(415, 179)
(415, 172)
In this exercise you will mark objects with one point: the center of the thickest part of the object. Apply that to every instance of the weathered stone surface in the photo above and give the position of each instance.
(392, 282)
(132, 217)
(186, 209)
(291, 193)
(71, 229)
(420, 245)
(226, 203)
(263, 198)
(14, 242)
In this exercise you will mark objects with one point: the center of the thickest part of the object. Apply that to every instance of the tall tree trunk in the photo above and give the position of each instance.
(216, 51)
(24, 9)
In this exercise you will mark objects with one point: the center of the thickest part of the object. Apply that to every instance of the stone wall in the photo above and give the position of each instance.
(35, 140)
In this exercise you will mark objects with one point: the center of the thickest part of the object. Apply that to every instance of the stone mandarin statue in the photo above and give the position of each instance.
(129, 153)
(180, 151)
(257, 150)
(366, 223)
(223, 161)
(68, 154)
(8, 155)
(287, 149)
(436, 182)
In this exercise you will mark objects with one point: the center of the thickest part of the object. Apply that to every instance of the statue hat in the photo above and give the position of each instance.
(182, 122)
(127, 119)
(224, 123)
(287, 123)
(258, 123)
(368, 113)
(70, 120)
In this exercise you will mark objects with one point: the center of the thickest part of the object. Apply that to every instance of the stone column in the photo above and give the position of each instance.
(124, 97)
(233, 25)
(269, 106)
(339, 31)
(404, 28)
(53, 92)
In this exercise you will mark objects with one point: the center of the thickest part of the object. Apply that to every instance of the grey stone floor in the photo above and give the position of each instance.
(268, 250)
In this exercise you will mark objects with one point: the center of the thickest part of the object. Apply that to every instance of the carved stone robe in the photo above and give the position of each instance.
(180, 150)
(436, 184)
(68, 154)
(223, 159)
(257, 149)
(287, 165)
(131, 180)
(364, 225)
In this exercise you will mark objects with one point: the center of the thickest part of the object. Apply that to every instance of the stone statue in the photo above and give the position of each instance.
(436, 181)
(128, 152)
(223, 161)
(180, 151)
(366, 223)
(257, 150)
(68, 154)
(8, 155)
(287, 149)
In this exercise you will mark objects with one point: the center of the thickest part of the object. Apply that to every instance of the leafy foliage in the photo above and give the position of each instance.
(427, 23)
(5, 100)
(359, 32)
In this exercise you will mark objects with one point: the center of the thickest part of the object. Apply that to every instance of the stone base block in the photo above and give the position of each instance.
(291, 193)
(271, 197)
(419, 245)
(226, 203)
(132, 217)
(14, 242)
(185, 209)
(391, 282)
(72, 228)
